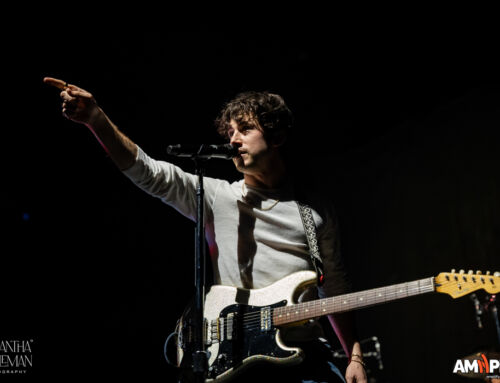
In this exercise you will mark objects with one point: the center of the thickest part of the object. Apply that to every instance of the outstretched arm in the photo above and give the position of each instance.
(80, 106)
(158, 178)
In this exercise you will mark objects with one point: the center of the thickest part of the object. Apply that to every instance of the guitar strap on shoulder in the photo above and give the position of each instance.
(312, 240)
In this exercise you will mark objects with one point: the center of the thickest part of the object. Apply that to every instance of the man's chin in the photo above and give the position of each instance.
(238, 161)
(240, 164)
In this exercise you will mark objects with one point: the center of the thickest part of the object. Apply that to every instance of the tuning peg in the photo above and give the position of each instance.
(470, 272)
(462, 271)
(478, 272)
(488, 273)
(497, 274)
(453, 271)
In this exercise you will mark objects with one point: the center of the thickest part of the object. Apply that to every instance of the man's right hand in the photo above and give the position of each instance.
(80, 106)
(77, 104)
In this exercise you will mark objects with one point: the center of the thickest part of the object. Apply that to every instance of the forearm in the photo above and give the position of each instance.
(345, 329)
(119, 147)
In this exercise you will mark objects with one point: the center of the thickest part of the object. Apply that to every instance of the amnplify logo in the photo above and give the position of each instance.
(481, 365)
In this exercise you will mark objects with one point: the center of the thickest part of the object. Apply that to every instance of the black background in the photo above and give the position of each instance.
(396, 109)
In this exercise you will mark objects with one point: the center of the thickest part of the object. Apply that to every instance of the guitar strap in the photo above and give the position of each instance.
(312, 240)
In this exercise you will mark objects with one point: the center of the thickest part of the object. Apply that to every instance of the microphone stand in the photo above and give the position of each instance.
(200, 360)
(200, 155)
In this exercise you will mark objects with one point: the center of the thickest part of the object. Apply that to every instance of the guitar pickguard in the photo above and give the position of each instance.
(239, 328)
(250, 342)
(241, 336)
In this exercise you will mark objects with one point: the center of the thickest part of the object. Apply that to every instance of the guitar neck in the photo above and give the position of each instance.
(352, 301)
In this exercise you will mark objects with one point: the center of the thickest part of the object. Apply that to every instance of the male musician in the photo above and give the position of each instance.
(253, 227)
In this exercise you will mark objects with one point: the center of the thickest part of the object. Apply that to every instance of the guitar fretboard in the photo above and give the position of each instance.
(352, 301)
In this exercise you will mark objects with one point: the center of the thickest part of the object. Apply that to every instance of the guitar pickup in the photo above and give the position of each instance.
(265, 318)
(208, 332)
(215, 335)
(230, 327)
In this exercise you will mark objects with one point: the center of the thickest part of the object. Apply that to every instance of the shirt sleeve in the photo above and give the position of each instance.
(172, 185)
(336, 278)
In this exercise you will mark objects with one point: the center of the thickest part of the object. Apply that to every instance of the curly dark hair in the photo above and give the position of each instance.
(267, 108)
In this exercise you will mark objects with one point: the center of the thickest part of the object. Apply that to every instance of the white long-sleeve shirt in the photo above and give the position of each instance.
(250, 247)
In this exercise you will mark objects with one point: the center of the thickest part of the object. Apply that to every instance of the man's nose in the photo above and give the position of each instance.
(235, 138)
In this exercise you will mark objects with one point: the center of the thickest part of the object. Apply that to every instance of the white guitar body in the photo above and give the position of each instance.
(262, 344)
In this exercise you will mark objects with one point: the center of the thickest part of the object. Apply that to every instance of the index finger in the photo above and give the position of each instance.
(60, 84)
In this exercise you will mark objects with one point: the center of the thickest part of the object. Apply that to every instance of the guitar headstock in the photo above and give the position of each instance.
(461, 283)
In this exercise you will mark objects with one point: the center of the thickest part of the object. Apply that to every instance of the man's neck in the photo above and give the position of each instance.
(272, 179)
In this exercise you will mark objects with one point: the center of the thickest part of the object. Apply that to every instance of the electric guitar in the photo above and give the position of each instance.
(241, 327)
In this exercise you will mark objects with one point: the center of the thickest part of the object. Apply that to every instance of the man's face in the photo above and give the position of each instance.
(253, 148)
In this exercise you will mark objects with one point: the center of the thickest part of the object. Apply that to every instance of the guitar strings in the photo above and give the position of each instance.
(253, 319)
(351, 299)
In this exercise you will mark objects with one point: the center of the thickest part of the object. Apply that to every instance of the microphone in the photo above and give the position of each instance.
(207, 151)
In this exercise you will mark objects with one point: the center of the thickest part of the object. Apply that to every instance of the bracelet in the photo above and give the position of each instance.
(360, 362)
(355, 360)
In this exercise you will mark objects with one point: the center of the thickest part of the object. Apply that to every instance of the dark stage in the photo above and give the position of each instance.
(399, 120)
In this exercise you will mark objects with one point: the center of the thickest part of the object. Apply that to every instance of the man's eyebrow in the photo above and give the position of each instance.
(251, 123)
